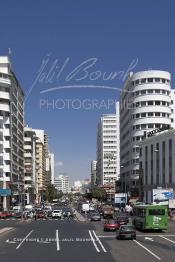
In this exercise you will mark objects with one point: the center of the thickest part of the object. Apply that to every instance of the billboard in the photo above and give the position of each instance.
(120, 198)
(162, 196)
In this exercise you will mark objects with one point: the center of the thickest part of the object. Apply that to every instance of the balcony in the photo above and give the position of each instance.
(4, 95)
(5, 107)
(7, 168)
(6, 156)
(6, 144)
(27, 139)
(27, 155)
(27, 178)
(27, 147)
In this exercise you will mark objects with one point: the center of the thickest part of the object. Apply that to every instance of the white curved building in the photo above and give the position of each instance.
(11, 133)
(145, 104)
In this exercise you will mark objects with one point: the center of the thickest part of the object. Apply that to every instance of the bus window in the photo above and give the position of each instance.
(157, 212)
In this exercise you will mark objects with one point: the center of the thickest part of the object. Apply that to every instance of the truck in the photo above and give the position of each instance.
(85, 207)
(107, 211)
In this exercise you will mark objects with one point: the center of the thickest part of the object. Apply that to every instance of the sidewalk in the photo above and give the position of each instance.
(78, 215)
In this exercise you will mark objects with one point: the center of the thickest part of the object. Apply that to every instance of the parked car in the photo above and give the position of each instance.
(5, 214)
(56, 213)
(95, 216)
(126, 232)
(110, 225)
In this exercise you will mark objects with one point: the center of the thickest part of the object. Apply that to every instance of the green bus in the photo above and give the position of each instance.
(147, 217)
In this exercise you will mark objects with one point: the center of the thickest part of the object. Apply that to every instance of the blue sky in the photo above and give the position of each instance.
(115, 33)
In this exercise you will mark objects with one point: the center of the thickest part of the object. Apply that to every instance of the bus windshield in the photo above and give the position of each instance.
(157, 212)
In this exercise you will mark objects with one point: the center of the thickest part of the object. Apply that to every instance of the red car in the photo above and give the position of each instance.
(5, 214)
(122, 220)
(40, 214)
(110, 225)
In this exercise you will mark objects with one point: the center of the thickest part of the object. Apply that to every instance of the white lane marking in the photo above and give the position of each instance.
(10, 242)
(100, 243)
(93, 241)
(58, 241)
(167, 239)
(147, 250)
(106, 236)
(24, 239)
(149, 238)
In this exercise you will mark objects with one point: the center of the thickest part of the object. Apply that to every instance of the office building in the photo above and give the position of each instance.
(157, 163)
(61, 183)
(108, 150)
(145, 105)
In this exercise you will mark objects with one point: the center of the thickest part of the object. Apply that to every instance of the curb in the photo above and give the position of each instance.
(6, 229)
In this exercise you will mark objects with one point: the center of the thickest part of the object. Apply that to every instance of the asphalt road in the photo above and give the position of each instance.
(70, 240)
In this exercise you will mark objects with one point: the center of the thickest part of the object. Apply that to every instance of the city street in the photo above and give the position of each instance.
(70, 240)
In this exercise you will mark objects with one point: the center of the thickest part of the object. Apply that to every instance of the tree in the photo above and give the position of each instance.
(99, 193)
(52, 193)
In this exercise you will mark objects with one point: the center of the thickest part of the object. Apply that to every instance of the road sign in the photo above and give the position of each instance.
(5, 192)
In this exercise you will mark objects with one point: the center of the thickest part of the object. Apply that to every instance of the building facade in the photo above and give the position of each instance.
(11, 136)
(93, 173)
(61, 183)
(157, 166)
(108, 150)
(145, 104)
(29, 165)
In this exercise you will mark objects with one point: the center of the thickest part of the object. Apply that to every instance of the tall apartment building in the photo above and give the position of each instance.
(61, 183)
(93, 173)
(108, 160)
(40, 165)
(11, 135)
(145, 104)
(52, 167)
(29, 164)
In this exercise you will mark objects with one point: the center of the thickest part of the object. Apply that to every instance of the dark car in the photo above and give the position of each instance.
(122, 220)
(40, 214)
(110, 225)
(95, 216)
(126, 232)
(17, 215)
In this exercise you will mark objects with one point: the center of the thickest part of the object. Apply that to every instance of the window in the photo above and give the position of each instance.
(137, 115)
(143, 126)
(150, 91)
(143, 80)
(143, 103)
(172, 120)
(163, 80)
(150, 103)
(163, 92)
(143, 92)
(172, 102)
(137, 126)
(163, 103)
(157, 80)
(150, 125)
(157, 91)
(150, 114)
(143, 114)
(157, 125)
(137, 82)
(163, 114)
(157, 212)
(137, 93)
(157, 114)
(150, 80)
(157, 103)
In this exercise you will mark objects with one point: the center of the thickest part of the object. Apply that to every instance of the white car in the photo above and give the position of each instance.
(57, 213)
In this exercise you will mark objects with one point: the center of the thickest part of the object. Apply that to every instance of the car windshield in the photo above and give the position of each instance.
(111, 221)
(127, 228)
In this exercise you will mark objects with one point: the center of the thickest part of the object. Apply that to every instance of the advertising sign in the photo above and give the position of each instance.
(171, 203)
(162, 196)
(120, 198)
